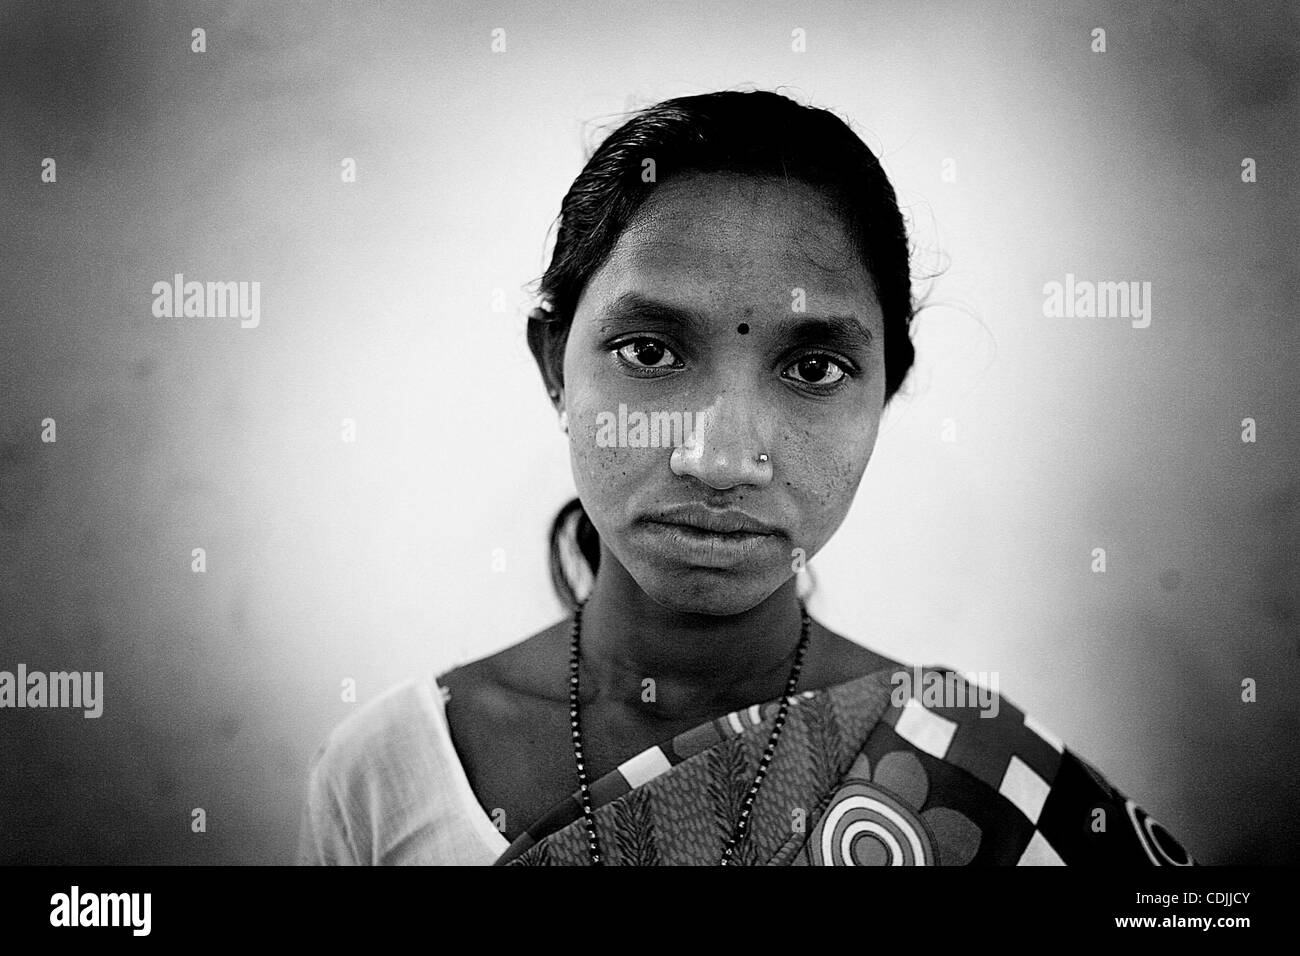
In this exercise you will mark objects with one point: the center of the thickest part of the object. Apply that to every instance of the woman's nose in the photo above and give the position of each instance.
(725, 447)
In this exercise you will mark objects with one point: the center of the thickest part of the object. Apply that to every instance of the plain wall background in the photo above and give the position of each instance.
(374, 560)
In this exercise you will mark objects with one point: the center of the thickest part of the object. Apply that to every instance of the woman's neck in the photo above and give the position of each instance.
(700, 665)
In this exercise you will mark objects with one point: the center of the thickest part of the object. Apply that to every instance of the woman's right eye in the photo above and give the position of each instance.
(647, 353)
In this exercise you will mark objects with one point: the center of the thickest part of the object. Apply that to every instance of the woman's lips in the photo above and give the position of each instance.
(696, 514)
(695, 545)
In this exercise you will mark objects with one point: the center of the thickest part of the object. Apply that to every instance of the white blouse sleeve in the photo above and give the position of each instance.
(323, 838)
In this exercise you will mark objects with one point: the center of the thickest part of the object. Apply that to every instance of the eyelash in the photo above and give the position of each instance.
(648, 371)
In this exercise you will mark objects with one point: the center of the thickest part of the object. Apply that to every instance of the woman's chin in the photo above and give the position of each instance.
(716, 595)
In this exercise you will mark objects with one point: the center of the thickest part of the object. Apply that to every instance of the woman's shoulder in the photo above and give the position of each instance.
(533, 667)
(380, 731)
(959, 747)
(368, 768)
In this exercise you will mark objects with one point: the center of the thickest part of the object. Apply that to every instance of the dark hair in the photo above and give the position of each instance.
(757, 133)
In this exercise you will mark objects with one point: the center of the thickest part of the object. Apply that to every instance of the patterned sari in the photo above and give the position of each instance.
(862, 776)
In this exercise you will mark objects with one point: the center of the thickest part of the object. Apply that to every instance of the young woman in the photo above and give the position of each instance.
(726, 314)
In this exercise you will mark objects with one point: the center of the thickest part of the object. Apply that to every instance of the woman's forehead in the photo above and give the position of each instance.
(724, 215)
(716, 237)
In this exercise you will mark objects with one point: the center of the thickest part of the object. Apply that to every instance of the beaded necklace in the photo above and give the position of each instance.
(742, 824)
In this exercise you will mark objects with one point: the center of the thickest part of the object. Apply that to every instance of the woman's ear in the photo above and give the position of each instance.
(547, 335)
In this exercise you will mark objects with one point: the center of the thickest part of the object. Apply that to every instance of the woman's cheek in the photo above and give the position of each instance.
(602, 473)
(824, 478)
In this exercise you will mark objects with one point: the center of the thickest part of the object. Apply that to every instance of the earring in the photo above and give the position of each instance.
(762, 458)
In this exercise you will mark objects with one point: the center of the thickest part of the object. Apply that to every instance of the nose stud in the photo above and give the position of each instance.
(682, 455)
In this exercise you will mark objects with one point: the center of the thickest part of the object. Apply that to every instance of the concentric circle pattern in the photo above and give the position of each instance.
(864, 826)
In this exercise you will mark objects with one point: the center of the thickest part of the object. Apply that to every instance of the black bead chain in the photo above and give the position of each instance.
(747, 806)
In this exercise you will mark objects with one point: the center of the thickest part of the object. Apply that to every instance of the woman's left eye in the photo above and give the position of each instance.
(821, 370)
(647, 353)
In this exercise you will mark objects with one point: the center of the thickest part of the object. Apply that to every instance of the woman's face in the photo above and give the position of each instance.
(740, 304)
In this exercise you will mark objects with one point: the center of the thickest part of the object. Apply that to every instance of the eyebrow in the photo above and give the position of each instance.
(843, 331)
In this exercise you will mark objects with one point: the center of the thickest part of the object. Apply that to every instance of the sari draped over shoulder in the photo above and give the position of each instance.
(862, 775)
